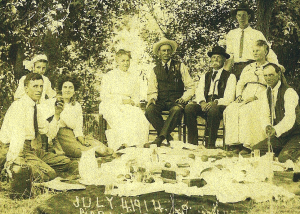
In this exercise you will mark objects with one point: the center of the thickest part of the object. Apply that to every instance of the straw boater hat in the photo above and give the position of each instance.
(164, 41)
(244, 7)
(220, 51)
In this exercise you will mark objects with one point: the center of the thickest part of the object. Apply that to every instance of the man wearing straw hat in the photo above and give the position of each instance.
(215, 91)
(280, 116)
(170, 87)
(240, 41)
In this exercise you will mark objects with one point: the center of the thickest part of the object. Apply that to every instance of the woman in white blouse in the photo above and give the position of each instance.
(70, 135)
(39, 65)
(240, 116)
(119, 105)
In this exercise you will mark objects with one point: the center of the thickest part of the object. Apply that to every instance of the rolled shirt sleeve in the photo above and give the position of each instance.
(291, 99)
(188, 83)
(152, 86)
(14, 128)
(229, 93)
(200, 90)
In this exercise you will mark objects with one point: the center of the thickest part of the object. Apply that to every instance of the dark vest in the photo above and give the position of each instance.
(280, 112)
(170, 86)
(221, 84)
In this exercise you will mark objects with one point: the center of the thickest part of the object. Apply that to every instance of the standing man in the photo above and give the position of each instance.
(22, 128)
(280, 116)
(240, 41)
(215, 91)
(170, 87)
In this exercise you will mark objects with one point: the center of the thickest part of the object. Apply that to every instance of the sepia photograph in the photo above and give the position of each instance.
(149, 106)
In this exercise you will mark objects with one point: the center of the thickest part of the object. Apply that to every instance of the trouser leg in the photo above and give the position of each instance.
(276, 145)
(153, 114)
(190, 116)
(214, 116)
(291, 150)
(174, 118)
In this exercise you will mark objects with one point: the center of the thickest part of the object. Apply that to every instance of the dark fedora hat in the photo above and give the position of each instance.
(245, 7)
(218, 50)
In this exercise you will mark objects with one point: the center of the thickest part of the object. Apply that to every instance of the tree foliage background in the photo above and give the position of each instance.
(81, 37)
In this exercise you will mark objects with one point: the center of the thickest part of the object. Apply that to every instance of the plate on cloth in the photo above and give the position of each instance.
(59, 184)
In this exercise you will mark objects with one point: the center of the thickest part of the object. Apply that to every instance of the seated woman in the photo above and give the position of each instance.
(70, 135)
(239, 116)
(119, 105)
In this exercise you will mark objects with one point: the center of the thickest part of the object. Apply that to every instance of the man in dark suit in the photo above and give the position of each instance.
(170, 87)
(215, 91)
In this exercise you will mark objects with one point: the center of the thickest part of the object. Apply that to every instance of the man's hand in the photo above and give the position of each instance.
(239, 99)
(152, 101)
(206, 106)
(82, 141)
(59, 107)
(250, 99)
(128, 101)
(270, 131)
(180, 101)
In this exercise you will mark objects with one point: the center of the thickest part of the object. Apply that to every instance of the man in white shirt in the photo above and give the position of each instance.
(170, 87)
(280, 116)
(240, 41)
(215, 91)
(22, 128)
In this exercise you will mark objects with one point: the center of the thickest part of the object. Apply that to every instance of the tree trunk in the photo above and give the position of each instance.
(264, 14)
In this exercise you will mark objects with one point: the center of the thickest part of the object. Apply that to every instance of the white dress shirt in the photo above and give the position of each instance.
(72, 118)
(47, 89)
(229, 93)
(18, 126)
(291, 99)
(186, 78)
(250, 37)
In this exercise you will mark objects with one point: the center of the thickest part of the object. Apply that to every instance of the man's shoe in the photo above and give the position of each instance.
(169, 138)
(158, 141)
(245, 151)
(211, 146)
(235, 148)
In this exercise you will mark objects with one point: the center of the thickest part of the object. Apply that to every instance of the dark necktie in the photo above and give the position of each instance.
(35, 122)
(166, 68)
(36, 143)
(241, 44)
(214, 75)
(269, 96)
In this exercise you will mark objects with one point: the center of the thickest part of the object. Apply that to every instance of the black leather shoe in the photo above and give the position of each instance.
(211, 147)
(158, 141)
(170, 138)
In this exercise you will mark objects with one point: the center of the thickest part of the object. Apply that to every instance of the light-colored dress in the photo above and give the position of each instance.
(128, 124)
(70, 127)
(241, 122)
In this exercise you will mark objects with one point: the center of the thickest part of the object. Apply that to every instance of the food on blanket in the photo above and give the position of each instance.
(120, 176)
(183, 165)
(184, 172)
(150, 180)
(198, 182)
(131, 169)
(204, 158)
(168, 174)
(168, 165)
(192, 156)
(127, 176)
(206, 170)
(219, 166)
